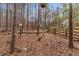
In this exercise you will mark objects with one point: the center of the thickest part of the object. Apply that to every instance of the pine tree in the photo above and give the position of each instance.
(70, 27)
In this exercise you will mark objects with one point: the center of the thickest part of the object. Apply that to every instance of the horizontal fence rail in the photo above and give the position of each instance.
(65, 33)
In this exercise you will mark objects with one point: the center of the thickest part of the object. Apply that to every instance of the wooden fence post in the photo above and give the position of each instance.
(54, 31)
(66, 33)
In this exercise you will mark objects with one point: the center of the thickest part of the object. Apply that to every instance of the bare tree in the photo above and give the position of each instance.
(27, 16)
(70, 27)
(0, 15)
(22, 12)
(10, 19)
(46, 15)
(38, 19)
(7, 17)
(22, 18)
(13, 30)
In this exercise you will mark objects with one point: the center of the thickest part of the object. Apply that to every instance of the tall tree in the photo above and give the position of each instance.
(13, 30)
(46, 15)
(7, 17)
(70, 27)
(38, 19)
(0, 15)
(27, 16)
(10, 19)
(58, 20)
(22, 15)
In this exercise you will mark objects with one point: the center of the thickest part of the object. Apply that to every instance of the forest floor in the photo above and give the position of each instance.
(30, 45)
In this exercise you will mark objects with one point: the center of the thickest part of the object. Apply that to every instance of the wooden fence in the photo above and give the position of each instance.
(65, 33)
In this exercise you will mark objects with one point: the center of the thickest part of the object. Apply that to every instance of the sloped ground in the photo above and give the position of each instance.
(29, 45)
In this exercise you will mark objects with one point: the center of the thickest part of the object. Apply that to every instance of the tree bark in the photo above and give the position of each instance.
(70, 27)
(38, 19)
(0, 15)
(6, 17)
(13, 30)
(22, 14)
(27, 16)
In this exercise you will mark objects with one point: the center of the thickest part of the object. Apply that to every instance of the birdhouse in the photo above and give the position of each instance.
(43, 5)
(20, 24)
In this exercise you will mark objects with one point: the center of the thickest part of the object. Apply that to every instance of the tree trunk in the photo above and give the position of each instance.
(45, 16)
(13, 30)
(22, 14)
(38, 19)
(70, 27)
(27, 16)
(6, 17)
(10, 20)
(0, 15)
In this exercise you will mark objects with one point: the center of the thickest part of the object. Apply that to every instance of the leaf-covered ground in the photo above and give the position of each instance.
(33, 45)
